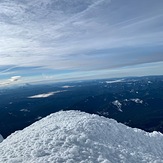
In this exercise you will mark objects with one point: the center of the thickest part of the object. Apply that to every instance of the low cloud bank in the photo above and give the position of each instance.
(45, 95)
(12, 80)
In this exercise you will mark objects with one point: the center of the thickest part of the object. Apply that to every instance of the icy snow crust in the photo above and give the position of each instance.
(74, 136)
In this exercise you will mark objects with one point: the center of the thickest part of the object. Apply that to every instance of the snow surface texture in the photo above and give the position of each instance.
(74, 136)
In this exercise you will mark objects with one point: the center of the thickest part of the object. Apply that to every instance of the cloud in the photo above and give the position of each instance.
(79, 35)
(12, 80)
(7, 69)
(45, 95)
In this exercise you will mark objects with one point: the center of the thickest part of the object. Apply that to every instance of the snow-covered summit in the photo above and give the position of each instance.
(73, 136)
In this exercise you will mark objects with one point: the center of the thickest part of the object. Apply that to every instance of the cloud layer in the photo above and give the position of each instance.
(12, 80)
(79, 35)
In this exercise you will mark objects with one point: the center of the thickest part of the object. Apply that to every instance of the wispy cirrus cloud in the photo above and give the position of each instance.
(79, 35)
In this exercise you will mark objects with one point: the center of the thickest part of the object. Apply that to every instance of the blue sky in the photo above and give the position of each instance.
(59, 40)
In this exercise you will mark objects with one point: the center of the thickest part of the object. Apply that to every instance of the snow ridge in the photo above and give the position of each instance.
(74, 136)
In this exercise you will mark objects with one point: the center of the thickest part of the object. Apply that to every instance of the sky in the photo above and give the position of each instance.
(58, 40)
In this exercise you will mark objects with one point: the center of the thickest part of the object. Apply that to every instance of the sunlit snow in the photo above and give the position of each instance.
(137, 100)
(118, 105)
(74, 136)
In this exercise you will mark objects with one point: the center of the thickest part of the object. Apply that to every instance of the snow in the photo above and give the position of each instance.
(118, 105)
(25, 110)
(1, 138)
(73, 136)
(137, 100)
(149, 82)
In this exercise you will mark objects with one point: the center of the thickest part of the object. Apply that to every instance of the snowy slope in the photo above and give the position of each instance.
(74, 136)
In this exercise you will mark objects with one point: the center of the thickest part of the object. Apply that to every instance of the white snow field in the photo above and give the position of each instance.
(73, 137)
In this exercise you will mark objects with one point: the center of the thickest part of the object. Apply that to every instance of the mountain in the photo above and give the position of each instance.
(135, 102)
(74, 136)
